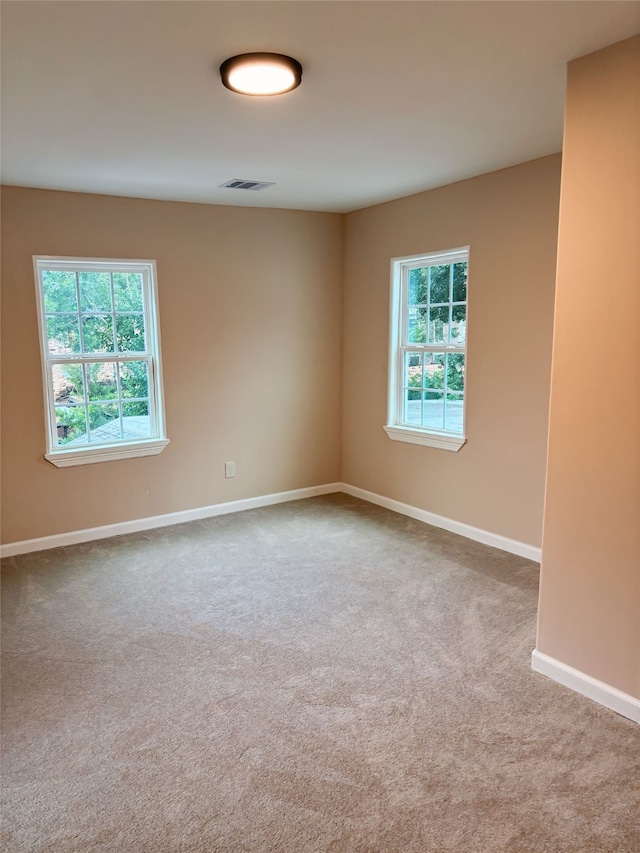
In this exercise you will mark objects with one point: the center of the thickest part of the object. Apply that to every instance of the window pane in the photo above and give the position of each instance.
(127, 290)
(104, 422)
(59, 290)
(101, 379)
(439, 283)
(459, 324)
(455, 371)
(412, 370)
(62, 334)
(71, 425)
(418, 286)
(95, 291)
(134, 381)
(68, 384)
(453, 412)
(97, 333)
(135, 420)
(434, 409)
(130, 332)
(439, 325)
(412, 406)
(460, 282)
(416, 325)
(434, 371)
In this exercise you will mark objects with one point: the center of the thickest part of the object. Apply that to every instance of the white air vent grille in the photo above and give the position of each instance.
(241, 184)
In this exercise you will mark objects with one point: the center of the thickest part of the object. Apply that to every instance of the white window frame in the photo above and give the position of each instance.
(398, 345)
(64, 456)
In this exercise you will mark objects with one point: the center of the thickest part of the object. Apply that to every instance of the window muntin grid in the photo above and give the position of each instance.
(431, 356)
(103, 393)
(100, 351)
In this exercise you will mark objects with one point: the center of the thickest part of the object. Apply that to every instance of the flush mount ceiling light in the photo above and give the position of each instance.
(261, 73)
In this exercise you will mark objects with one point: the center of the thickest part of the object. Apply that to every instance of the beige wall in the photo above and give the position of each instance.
(250, 313)
(589, 613)
(251, 307)
(509, 218)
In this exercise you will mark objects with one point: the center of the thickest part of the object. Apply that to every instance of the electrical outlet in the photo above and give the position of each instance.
(229, 470)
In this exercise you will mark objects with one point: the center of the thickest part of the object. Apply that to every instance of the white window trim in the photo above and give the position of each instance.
(428, 437)
(64, 457)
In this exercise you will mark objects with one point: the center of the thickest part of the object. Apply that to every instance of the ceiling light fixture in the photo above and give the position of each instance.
(261, 73)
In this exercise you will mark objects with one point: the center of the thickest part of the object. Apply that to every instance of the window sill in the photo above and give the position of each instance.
(441, 440)
(106, 453)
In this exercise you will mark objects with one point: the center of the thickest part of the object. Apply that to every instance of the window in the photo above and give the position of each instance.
(99, 338)
(428, 349)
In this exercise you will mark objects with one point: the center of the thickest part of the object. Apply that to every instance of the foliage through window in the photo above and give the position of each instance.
(101, 359)
(428, 349)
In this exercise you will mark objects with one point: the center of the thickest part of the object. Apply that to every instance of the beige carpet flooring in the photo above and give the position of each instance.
(323, 675)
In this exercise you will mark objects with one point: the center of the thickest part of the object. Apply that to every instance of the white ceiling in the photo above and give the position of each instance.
(125, 98)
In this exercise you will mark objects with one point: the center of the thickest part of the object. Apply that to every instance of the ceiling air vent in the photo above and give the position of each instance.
(240, 184)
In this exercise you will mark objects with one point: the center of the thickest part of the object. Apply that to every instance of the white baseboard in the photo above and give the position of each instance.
(584, 684)
(107, 530)
(89, 534)
(466, 530)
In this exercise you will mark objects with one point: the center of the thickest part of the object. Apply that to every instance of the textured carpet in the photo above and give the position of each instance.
(323, 675)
